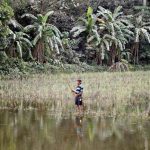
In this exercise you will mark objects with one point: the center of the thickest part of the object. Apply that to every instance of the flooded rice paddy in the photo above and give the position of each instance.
(36, 130)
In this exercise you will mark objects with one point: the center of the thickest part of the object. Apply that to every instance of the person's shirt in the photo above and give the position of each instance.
(79, 89)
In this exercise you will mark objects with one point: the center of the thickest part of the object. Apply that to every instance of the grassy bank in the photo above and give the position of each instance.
(16, 68)
(106, 94)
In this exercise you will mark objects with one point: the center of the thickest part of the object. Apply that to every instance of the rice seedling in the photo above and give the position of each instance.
(105, 94)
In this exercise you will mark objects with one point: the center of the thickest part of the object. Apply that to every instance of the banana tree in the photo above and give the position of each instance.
(47, 36)
(141, 30)
(19, 41)
(101, 44)
(86, 27)
(118, 26)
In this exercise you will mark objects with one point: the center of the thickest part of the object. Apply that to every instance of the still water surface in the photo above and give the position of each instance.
(33, 130)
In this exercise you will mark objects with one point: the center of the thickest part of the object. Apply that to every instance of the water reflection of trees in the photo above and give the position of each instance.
(39, 131)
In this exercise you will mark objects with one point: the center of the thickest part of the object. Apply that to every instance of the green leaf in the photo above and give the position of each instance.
(29, 28)
(29, 16)
(117, 12)
(36, 39)
(25, 40)
(50, 43)
(40, 18)
(146, 34)
(89, 11)
(106, 44)
(47, 15)
(137, 34)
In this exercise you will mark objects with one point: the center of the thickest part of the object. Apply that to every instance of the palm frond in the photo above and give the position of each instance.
(90, 39)
(146, 24)
(117, 12)
(146, 34)
(40, 18)
(55, 30)
(137, 34)
(56, 46)
(25, 40)
(112, 29)
(29, 16)
(126, 22)
(59, 43)
(102, 9)
(139, 19)
(120, 45)
(47, 15)
(29, 28)
(96, 35)
(21, 34)
(107, 45)
(101, 14)
(36, 39)
(15, 23)
(147, 28)
(84, 21)
(50, 43)
(78, 31)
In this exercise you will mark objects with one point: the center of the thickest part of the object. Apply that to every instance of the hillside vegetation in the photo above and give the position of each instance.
(74, 33)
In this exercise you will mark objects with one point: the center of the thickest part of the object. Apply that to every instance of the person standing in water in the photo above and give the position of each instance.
(78, 92)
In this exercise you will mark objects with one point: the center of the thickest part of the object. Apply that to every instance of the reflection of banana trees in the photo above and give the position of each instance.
(107, 129)
(24, 129)
(91, 131)
(104, 132)
(8, 144)
(148, 110)
(144, 136)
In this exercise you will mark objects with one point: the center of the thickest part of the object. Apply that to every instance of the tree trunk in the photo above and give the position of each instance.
(42, 6)
(38, 52)
(112, 55)
(98, 58)
(144, 2)
(11, 52)
(31, 2)
(135, 52)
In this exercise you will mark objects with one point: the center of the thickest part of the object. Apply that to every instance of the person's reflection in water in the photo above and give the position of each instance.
(78, 126)
(79, 130)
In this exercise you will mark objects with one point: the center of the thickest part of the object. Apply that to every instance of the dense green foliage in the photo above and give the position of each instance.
(102, 36)
(6, 12)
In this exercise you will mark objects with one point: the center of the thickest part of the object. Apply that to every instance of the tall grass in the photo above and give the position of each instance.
(105, 94)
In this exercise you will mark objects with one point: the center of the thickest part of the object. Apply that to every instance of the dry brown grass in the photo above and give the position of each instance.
(107, 94)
